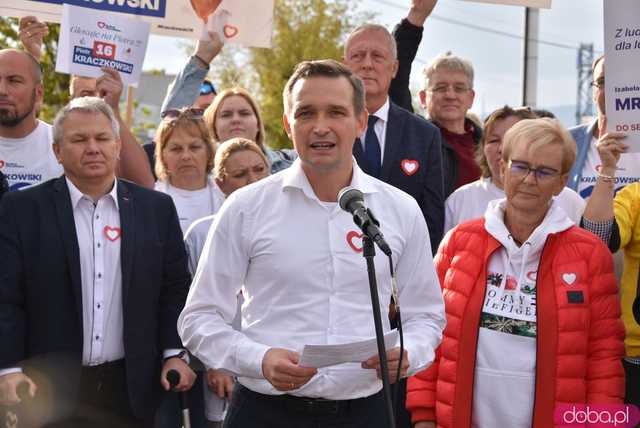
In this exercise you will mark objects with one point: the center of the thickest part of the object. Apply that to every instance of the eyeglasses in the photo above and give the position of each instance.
(522, 170)
(443, 89)
(207, 88)
(190, 113)
(598, 83)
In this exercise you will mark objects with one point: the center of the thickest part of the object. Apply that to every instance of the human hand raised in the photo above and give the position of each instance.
(207, 50)
(31, 33)
(109, 87)
(610, 147)
(420, 11)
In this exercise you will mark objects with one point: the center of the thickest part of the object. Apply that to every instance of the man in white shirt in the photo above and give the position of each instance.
(26, 156)
(297, 257)
(93, 275)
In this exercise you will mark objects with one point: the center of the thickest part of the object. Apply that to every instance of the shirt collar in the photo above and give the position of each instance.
(383, 112)
(294, 177)
(76, 195)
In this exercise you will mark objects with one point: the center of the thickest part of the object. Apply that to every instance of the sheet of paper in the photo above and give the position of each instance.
(356, 352)
(541, 4)
(622, 59)
(90, 39)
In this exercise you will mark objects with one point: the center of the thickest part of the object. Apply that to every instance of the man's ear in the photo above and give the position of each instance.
(286, 125)
(422, 94)
(56, 151)
(363, 118)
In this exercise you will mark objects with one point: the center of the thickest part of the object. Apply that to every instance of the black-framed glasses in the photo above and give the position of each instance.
(174, 113)
(523, 169)
(598, 83)
(207, 88)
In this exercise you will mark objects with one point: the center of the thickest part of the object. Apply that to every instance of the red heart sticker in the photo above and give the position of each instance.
(352, 238)
(230, 31)
(409, 166)
(112, 233)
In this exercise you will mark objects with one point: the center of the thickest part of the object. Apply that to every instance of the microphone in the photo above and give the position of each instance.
(352, 201)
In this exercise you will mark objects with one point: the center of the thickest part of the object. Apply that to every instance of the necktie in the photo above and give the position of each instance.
(372, 148)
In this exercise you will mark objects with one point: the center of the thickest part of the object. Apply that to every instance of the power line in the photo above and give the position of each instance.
(484, 29)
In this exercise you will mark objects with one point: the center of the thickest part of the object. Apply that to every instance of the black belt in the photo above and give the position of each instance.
(306, 405)
(104, 368)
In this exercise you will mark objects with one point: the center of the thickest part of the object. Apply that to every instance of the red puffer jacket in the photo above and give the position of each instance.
(579, 344)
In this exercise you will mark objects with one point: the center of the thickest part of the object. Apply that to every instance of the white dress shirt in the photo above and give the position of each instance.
(304, 280)
(380, 128)
(99, 237)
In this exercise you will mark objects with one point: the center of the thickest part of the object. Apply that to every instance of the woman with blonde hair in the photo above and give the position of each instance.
(533, 317)
(184, 161)
(234, 113)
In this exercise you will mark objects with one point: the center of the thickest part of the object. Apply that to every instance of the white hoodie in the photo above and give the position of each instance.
(504, 384)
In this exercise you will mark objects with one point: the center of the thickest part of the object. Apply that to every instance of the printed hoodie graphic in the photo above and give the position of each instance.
(504, 380)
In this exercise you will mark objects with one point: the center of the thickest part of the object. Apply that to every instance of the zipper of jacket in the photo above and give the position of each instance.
(535, 376)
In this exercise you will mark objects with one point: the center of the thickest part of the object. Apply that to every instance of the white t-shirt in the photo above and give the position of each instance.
(628, 170)
(29, 160)
(471, 200)
(193, 204)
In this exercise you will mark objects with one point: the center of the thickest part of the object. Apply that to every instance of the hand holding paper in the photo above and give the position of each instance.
(393, 361)
(280, 367)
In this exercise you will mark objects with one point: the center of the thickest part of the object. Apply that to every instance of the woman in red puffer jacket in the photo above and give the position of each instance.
(533, 318)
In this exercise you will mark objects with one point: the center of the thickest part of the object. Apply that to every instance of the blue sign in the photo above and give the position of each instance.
(155, 8)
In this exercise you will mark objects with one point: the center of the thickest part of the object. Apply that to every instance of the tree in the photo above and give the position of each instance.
(302, 30)
(56, 85)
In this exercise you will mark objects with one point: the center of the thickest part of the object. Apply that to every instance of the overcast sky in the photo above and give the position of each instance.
(497, 58)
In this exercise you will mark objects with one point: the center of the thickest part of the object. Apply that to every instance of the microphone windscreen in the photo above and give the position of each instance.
(348, 195)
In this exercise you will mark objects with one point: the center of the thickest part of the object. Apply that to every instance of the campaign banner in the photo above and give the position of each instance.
(622, 61)
(243, 22)
(90, 39)
(540, 4)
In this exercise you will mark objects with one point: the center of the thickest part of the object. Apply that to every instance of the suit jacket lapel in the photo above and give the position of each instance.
(393, 141)
(127, 245)
(66, 223)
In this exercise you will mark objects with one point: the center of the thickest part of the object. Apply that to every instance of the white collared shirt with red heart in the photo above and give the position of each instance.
(99, 237)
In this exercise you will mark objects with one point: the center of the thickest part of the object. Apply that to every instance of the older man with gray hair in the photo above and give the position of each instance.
(93, 275)
(397, 147)
(447, 96)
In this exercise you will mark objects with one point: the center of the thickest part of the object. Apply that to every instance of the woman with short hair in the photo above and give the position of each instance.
(184, 161)
(533, 319)
(470, 201)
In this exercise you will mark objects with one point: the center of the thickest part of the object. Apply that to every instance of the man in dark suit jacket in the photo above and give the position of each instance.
(93, 276)
(398, 147)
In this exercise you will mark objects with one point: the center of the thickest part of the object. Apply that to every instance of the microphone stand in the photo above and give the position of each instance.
(369, 252)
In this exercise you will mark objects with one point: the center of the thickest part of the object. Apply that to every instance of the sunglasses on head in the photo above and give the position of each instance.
(207, 88)
(192, 113)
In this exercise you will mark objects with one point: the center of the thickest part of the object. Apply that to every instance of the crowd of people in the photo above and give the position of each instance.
(211, 256)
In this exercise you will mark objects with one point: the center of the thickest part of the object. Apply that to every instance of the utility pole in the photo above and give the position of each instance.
(530, 57)
(584, 101)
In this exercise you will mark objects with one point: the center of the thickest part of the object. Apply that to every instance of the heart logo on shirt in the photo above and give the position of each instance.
(569, 278)
(112, 233)
(409, 166)
(1, 164)
(230, 31)
(354, 239)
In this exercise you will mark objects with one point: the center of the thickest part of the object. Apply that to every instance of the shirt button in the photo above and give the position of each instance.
(97, 217)
(98, 245)
(98, 305)
(97, 337)
(99, 275)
